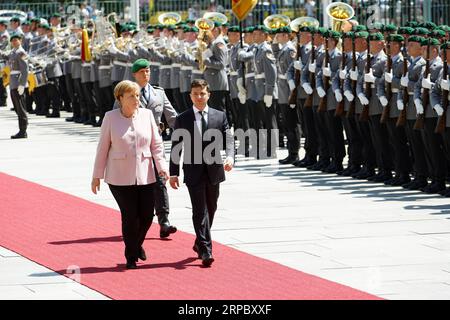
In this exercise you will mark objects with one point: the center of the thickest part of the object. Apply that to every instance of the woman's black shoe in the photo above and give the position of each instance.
(131, 264)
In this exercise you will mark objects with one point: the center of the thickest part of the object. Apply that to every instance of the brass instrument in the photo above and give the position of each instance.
(299, 22)
(276, 21)
(204, 29)
(339, 12)
(169, 18)
(216, 17)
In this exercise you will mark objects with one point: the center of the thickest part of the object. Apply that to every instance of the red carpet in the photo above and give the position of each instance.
(58, 230)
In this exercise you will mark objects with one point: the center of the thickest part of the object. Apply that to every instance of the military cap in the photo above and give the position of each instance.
(45, 26)
(262, 28)
(249, 29)
(430, 41)
(226, 24)
(306, 29)
(421, 31)
(349, 34)
(15, 36)
(56, 15)
(140, 64)
(445, 45)
(428, 25)
(359, 28)
(405, 30)
(396, 38)
(217, 24)
(376, 36)
(333, 34)
(377, 26)
(285, 29)
(170, 27)
(193, 29)
(35, 20)
(150, 30)
(233, 29)
(15, 19)
(412, 24)
(159, 26)
(438, 33)
(390, 28)
(416, 39)
(444, 27)
(362, 34)
(190, 21)
(322, 31)
(3, 22)
(26, 23)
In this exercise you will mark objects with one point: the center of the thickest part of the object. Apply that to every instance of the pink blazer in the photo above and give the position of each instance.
(126, 148)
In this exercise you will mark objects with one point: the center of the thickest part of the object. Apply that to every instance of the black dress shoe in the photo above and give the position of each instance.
(53, 115)
(20, 135)
(384, 176)
(166, 230)
(78, 120)
(400, 180)
(417, 184)
(291, 158)
(71, 119)
(304, 163)
(434, 187)
(131, 264)
(142, 255)
(446, 193)
(207, 260)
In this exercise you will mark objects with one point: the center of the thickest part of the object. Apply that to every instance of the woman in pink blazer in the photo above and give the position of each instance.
(129, 139)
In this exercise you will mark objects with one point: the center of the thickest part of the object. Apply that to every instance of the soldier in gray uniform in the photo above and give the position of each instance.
(175, 69)
(433, 142)
(54, 73)
(332, 95)
(417, 63)
(4, 42)
(79, 109)
(397, 134)
(14, 24)
(285, 58)
(17, 61)
(438, 95)
(27, 36)
(187, 67)
(106, 100)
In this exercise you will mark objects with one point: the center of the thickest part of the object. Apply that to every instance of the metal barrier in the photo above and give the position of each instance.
(385, 11)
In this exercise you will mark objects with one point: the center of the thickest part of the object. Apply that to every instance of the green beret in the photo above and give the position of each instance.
(444, 27)
(44, 26)
(159, 26)
(376, 36)
(390, 28)
(56, 15)
(249, 29)
(262, 28)
(140, 64)
(190, 21)
(420, 31)
(170, 27)
(306, 29)
(405, 30)
(438, 34)
(349, 34)
(233, 29)
(445, 45)
(3, 22)
(35, 20)
(396, 38)
(428, 25)
(322, 31)
(132, 23)
(333, 34)
(26, 23)
(15, 19)
(412, 24)
(430, 41)
(226, 24)
(415, 39)
(377, 26)
(359, 28)
(217, 24)
(285, 29)
(15, 36)
(362, 34)
(193, 29)
(150, 30)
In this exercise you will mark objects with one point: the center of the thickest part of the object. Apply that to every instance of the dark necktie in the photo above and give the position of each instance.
(204, 125)
(144, 99)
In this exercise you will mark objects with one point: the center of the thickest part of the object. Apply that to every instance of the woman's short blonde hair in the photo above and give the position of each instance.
(125, 86)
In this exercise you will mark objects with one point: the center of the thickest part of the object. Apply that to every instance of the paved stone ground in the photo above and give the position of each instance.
(382, 240)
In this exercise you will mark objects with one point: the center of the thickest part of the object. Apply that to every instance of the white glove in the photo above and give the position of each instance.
(400, 105)
(384, 101)
(349, 95)
(419, 106)
(438, 109)
(112, 48)
(326, 72)
(343, 74)
(362, 97)
(354, 75)
(369, 77)
(298, 65)
(388, 77)
(426, 83)
(404, 81)
(207, 54)
(338, 95)
(312, 67)
(291, 84)
(445, 85)
(242, 97)
(268, 101)
(307, 88)
(239, 84)
(321, 92)
(67, 55)
(292, 106)
(21, 90)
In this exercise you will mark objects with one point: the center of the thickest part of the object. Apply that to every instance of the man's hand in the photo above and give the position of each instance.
(21, 90)
(164, 176)
(228, 165)
(174, 183)
(95, 185)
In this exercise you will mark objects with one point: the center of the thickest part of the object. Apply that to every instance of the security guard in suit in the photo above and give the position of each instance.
(17, 61)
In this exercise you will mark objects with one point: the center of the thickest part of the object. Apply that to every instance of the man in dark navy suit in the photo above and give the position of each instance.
(202, 131)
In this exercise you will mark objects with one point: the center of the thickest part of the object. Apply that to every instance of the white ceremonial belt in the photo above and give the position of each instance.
(187, 68)
(104, 67)
(120, 63)
(14, 72)
(393, 90)
(410, 93)
(165, 66)
(197, 72)
(85, 64)
(282, 76)
(176, 65)
(250, 75)
(371, 85)
(259, 76)
(233, 73)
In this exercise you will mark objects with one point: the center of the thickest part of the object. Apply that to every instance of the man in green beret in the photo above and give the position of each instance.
(14, 25)
(4, 43)
(55, 21)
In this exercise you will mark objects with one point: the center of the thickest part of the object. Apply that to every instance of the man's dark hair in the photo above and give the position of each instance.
(200, 83)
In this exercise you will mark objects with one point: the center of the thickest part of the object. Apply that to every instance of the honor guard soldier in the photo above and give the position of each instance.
(54, 73)
(190, 44)
(4, 42)
(14, 24)
(17, 61)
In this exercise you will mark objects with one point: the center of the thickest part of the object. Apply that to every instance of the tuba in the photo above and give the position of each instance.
(340, 13)
(169, 18)
(296, 24)
(276, 21)
(204, 29)
(216, 17)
